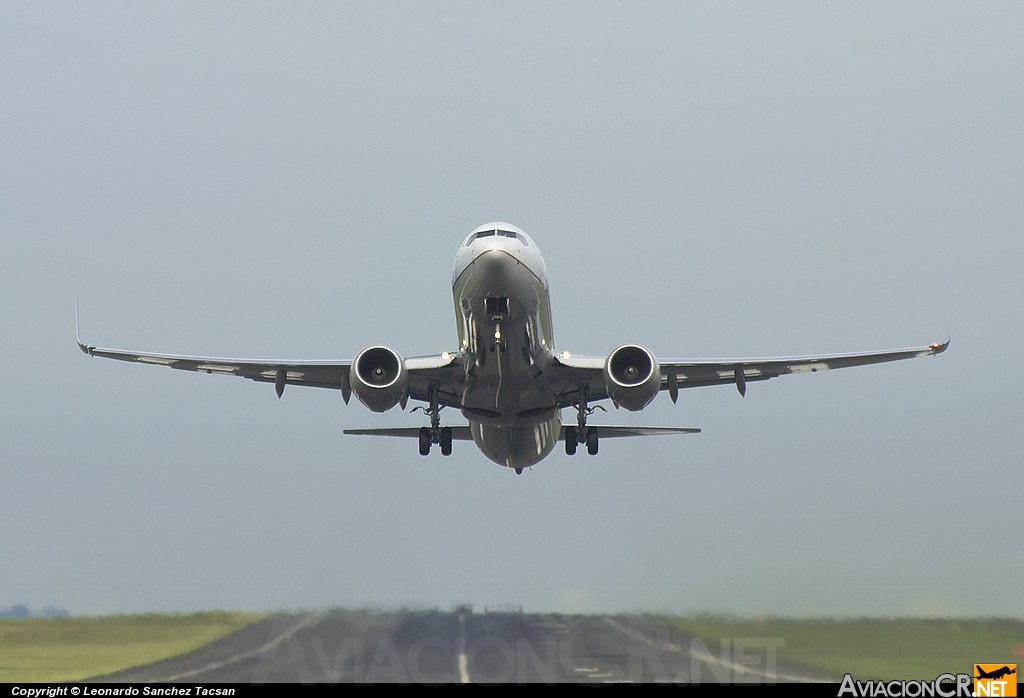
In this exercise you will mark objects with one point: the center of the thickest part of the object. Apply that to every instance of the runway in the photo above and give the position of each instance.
(437, 647)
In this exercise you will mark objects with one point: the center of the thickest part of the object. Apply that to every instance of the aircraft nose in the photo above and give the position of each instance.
(494, 264)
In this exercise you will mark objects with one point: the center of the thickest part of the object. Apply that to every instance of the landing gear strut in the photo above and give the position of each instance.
(581, 433)
(435, 433)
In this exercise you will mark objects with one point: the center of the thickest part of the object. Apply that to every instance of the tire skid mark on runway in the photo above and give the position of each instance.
(711, 659)
(309, 620)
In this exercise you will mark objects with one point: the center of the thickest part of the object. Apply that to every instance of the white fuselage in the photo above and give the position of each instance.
(503, 311)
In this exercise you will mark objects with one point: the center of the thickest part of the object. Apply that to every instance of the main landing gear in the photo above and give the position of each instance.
(575, 436)
(581, 433)
(442, 437)
(435, 433)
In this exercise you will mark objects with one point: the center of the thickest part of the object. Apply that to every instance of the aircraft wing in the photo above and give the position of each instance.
(691, 373)
(423, 371)
(320, 374)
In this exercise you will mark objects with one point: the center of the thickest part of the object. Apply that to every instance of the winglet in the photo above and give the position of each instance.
(939, 347)
(86, 349)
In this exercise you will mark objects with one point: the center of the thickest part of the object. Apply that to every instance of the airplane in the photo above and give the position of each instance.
(506, 377)
(996, 674)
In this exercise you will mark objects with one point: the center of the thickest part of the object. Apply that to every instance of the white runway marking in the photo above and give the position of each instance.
(709, 659)
(463, 659)
(307, 621)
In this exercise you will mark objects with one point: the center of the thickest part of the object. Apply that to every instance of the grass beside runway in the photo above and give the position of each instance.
(869, 648)
(72, 649)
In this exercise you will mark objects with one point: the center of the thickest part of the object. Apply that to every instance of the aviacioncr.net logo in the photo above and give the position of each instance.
(944, 686)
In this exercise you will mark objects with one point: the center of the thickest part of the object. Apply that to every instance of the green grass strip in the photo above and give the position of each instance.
(72, 649)
(891, 649)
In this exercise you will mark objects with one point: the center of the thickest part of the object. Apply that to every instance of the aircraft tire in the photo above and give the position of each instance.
(592, 441)
(570, 441)
(446, 441)
(424, 441)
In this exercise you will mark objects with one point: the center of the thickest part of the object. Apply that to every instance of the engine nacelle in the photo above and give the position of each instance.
(379, 379)
(632, 376)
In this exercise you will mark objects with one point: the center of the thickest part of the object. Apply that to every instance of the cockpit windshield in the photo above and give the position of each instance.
(498, 232)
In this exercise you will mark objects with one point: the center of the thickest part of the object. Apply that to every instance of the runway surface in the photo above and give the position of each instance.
(341, 646)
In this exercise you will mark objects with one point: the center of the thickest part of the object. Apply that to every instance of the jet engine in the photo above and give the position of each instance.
(379, 379)
(632, 377)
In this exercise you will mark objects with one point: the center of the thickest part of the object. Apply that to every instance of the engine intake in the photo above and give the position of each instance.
(632, 377)
(379, 379)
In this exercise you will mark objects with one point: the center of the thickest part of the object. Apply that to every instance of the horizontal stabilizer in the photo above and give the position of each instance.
(462, 433)
(458, 433)
(609, 432)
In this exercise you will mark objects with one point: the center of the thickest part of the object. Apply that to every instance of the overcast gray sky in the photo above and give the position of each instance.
(292, 180)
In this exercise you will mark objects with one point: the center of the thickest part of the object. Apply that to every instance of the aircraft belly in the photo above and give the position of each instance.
(515, 401)
(503, 311)
(517, 447)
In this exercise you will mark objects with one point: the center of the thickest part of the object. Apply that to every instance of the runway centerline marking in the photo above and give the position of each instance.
(463, 659)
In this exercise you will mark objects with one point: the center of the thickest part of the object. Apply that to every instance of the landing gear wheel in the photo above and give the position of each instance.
(570, 441)
(592, 441)
(424, 441)
(446, 441)
(519, 471)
